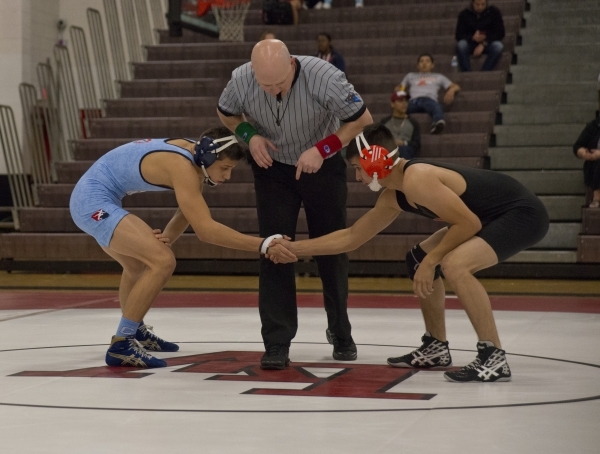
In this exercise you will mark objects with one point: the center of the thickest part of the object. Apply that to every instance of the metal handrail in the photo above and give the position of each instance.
(33, 122)
(131, 31)
(115, 39)
(100, 54)
(18, 181)
(50, 109)
(158, 17)
(84, 68)
(143, 20)
(69, 104)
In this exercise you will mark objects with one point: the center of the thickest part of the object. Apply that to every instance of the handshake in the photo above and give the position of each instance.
(278, 249)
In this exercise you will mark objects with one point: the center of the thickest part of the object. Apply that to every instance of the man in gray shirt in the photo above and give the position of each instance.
(296, 105)
(423, 88)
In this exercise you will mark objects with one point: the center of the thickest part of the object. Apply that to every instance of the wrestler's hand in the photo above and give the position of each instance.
(161, 237)
(423, 280)
(277, 251)
(310, 161)
(259, 149)
(285, 242)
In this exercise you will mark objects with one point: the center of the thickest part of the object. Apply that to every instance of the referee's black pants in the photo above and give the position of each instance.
(279, 197)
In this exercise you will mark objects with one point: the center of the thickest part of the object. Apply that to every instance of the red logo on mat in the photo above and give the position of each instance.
(355, 381)
(99, 215)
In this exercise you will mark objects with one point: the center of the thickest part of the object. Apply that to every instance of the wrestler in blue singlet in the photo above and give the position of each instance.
(95, 205)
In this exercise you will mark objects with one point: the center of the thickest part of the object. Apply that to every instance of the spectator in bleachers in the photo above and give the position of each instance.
(587, 147)
(328, 53)
(599, 92)
(281, 12)
(423, 87)
(326, 4)
(479, 30)
(406, 131)
(267, 34)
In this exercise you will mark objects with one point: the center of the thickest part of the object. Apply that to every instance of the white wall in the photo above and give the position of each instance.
(28, 33)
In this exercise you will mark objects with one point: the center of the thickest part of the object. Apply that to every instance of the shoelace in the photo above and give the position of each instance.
(137, 347)
(275, 350)
(148, 330)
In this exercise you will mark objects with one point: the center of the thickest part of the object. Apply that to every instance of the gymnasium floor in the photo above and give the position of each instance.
(57, 396)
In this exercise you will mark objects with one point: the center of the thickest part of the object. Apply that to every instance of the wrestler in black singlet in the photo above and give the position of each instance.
(512, 217)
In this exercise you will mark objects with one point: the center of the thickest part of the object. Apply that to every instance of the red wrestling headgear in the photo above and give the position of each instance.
(375, 160)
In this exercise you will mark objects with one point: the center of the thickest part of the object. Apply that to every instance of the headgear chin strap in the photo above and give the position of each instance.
(375, 160)
(207, 152)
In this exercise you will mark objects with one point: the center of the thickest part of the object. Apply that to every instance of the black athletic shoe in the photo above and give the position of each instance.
(489, 366)
(275, 358)
(437, 127)
(432, 354)
(343, 350)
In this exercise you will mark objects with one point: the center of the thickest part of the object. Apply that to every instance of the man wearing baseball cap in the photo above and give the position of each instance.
(406, 131)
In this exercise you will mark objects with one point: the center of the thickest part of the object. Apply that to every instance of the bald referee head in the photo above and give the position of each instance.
(273, 66)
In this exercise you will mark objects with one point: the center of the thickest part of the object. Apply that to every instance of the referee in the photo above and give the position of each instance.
(296, 105)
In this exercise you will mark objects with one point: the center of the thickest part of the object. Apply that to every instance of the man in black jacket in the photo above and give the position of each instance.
(479, 30)
(587, 147)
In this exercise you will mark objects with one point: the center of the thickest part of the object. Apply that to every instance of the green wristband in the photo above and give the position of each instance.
(245, 131)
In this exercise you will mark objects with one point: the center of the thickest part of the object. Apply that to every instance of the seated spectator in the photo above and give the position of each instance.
(326, 4)
(479, 30)
(587, 147)
(598, 94)
(327, 53)
(267, 34)
(406, 131)
(280, 12)
(423, 87)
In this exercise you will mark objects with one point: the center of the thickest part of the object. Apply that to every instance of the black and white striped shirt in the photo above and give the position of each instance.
(319, 99)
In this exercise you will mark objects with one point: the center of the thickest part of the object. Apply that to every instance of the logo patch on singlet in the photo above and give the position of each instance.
(99, 215)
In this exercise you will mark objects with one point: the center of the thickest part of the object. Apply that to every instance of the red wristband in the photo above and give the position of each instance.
(329, 145)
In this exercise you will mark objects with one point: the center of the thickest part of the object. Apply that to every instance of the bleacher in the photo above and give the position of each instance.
(175, 93)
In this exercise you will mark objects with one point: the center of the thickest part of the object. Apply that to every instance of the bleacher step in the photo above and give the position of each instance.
(530, 158)
(550, 182)
(542, 114)
(535, 135)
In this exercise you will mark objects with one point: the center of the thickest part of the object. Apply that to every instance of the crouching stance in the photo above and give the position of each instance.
(491, 217)
(181, 165)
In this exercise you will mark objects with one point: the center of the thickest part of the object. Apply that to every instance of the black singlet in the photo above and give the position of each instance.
(512, 217)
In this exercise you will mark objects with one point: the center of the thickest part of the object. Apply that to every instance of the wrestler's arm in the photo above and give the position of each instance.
(176, 226)
(185, 182)
(370, 224)
(422, 185)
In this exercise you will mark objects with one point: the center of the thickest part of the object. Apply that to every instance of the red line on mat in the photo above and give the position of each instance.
(26, 300)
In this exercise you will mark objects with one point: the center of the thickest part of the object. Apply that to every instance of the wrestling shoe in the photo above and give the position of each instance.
(432, 354)
(343, 350)
(490, 365)
(275, 358)
(150, 341)
(127, 351)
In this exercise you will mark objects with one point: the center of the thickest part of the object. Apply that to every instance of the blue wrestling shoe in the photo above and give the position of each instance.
(150, 341)
(127, 351)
